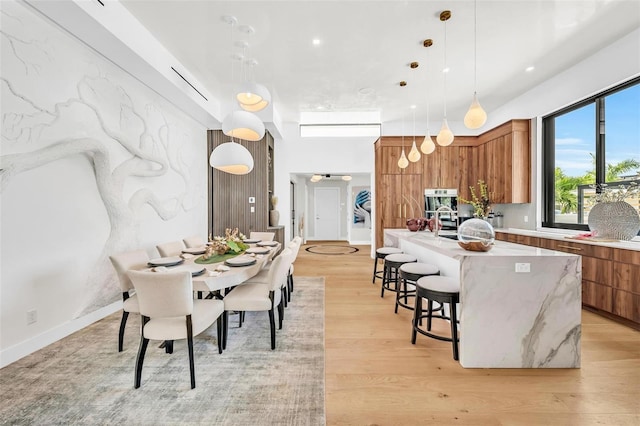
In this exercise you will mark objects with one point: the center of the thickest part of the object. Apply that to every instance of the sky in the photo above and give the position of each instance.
(575, 132)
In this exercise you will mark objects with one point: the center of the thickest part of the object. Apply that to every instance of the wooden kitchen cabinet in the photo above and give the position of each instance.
(501, 157)
(399, 193)
(610, 276)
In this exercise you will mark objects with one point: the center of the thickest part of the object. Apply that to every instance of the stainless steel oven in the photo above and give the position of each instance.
(436, 198)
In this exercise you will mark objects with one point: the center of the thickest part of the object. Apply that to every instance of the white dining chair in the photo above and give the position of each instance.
(169, 313)
(262, 236)
(172, 248)
(262, 297)
(123, 262)
(194, 241)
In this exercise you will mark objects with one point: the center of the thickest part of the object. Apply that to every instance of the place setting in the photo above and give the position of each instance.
(267, 244)
(240, 261)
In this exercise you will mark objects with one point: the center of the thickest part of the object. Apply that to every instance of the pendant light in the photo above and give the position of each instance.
(252, 97)
(445, 137)
(241, 124)
(414, 154)
(427, 146)
(403, 163)
(476, 116)
(231, 157)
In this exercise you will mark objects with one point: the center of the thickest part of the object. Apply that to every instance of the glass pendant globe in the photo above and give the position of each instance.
(231, 157)
(427, 146)
(476, 116)
(403, 163)
(414, 154)
(445, 137)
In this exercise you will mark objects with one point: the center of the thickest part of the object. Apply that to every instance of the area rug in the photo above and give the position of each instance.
(82, 379)
(331, 249)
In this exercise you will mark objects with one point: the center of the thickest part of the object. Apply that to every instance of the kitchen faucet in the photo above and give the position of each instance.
(437, 216)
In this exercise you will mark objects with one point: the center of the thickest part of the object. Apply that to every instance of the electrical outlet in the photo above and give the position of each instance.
(526, 219)
(523, 267)
(253, 209)
(32, 316)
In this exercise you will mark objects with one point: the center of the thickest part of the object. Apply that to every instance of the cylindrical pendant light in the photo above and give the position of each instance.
(243, 125)
(231, 157)
(476, 116)
(414, 154)
(445, 136)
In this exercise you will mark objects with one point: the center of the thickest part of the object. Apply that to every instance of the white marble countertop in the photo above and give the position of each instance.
(562, 235)
(451, 248)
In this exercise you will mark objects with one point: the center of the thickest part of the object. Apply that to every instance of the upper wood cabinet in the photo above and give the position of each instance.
(504, 162)
(500, 157)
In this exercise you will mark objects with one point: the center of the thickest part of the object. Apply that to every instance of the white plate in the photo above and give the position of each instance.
(194, 269)
(251, 241)
(267, 243)
(257, 250)
(195, 250)
(166, 261)
(240, 261)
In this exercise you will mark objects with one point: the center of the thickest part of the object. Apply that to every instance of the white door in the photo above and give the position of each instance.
(327, 213)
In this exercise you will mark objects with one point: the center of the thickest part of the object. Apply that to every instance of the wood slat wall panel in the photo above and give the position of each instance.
(229, 197)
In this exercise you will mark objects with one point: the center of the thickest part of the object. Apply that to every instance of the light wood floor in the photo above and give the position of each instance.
(375, 376)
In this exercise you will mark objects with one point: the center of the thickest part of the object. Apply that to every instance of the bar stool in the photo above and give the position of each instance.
(381, 253)
(390, 273)
(409, 274)
(436, 288)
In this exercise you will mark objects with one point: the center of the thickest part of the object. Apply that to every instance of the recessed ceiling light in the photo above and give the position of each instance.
(447, 69)
(316, 42)
(529, 69)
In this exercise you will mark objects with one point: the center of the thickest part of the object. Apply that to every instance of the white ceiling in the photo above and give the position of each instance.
(366, 47)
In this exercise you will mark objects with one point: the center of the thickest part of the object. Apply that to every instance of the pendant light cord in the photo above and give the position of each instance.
(475, 46)
(446, 71)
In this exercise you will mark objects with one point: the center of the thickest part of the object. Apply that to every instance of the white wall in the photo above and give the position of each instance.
(295, 155)
(93, 163)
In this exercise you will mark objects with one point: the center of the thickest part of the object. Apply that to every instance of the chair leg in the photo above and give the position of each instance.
(284, 295)
(272, 324)
(168, 346)
(192, 369)
(454, 329)
(280, 314)
(123, 322)
(225, 329)
(140, 360)
(375, 270)
(402, 282)
(290, 284)
(386, 275)
(429, 313)
(220, 332)
(417, 313)
(240, 318)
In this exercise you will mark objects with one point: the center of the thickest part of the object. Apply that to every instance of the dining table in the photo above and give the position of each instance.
(214, 280)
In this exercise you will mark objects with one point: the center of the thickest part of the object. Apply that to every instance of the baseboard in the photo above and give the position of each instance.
(360, 243)
(22, 349)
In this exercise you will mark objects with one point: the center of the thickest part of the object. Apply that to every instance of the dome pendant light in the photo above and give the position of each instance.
(476, 116)
(243, 125)
(231, 157)
(414, 154)
(253, 97)
(445, 137)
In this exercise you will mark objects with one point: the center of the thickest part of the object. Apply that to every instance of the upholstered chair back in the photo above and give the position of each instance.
(163, 294)
(279, 269)
(173, 248)
(123, 262)
(262, 236)
(194, 241)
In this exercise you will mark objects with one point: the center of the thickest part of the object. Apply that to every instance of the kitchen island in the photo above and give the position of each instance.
(508, 319)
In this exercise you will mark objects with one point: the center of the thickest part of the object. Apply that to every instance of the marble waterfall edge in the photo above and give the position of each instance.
(545, 317)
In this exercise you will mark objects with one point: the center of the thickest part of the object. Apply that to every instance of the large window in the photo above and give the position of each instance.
(591, 143)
